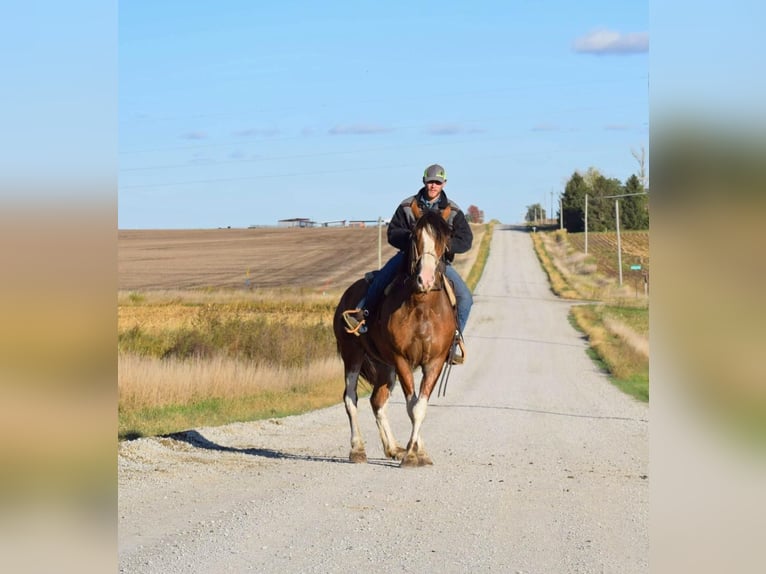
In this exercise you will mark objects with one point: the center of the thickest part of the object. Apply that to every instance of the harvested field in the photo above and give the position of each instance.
(321, 259)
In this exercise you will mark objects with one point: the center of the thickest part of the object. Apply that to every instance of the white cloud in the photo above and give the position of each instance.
(359, 129)
(257, 132)
(546, 127)
(451, 129)
(611, 42)
(194, 135)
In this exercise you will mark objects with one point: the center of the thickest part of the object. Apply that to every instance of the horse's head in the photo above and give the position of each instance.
(430, 240)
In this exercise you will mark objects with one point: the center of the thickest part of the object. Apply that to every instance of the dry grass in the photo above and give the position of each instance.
(620, 350)
(575, 275)
(548, 253)
(151, 382)
(162, 396)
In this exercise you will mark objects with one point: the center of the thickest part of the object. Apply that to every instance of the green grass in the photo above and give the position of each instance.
(637, 318)
(154, 421)
(481, 258)
(628, 369)
(215, 331)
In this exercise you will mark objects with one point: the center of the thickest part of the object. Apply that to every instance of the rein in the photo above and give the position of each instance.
(416, 257)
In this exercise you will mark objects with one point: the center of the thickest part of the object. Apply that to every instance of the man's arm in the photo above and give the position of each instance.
(462, 236)
(399, 230)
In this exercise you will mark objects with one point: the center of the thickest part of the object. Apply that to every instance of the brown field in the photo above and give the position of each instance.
(313, 259)
(603, 248)
(161, 271)
(317, 258)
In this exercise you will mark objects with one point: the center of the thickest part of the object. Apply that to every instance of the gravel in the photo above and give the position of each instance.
(540, 466)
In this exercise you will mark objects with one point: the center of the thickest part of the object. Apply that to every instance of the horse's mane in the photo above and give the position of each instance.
(441, 229)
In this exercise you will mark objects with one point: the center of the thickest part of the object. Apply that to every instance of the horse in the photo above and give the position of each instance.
(413, 327)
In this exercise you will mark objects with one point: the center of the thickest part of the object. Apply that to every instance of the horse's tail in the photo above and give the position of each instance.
(369, 370)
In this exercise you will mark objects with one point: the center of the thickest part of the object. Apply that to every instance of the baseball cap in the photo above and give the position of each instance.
(434, 172)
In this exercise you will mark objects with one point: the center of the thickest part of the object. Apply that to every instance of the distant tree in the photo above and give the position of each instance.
(535, 213)
(474, 214)
(634, 209)
(573, 203)
(591, 177)
(601, 208)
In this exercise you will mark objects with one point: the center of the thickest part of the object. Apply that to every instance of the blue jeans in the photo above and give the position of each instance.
(391, 268)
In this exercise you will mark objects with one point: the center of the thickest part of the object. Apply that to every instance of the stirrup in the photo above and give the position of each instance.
(455, 358)
(353, 325)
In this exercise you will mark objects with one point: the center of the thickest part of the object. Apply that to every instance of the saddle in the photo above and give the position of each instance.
(350, 316)
(370, 276)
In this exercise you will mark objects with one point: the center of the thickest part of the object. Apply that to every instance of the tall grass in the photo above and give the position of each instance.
(559, 279)
(627, 364)
(216, 330)
(481, 257)
(159, 396)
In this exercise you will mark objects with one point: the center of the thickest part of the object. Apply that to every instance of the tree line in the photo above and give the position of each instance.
(600, 190)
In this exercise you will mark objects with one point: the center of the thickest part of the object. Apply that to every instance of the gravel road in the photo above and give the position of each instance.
(540, 466)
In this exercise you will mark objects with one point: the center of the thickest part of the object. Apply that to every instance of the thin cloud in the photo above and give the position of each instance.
(250, 132)
(194, 136)
(546, 127)
(451, 129)
(358, 129)
(617, 127)
(604, 41)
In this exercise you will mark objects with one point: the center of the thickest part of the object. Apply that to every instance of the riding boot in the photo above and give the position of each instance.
(457, 353)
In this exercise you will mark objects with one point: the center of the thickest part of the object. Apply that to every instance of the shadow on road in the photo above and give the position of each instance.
(195, 439)
(525, 410)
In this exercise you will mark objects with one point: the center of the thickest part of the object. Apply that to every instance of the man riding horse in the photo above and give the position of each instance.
(430, 197)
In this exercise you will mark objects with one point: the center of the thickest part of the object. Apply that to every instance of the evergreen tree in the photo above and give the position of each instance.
(573, 203)
(634, 209)
(601, 205)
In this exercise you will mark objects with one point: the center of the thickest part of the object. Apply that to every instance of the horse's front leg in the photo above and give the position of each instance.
(417, 405)
(379, 401)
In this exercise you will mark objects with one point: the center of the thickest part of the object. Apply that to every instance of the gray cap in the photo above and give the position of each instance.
(434, 172)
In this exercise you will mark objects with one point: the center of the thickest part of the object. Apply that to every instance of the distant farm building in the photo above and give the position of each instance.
(306, 222)
(296, 222)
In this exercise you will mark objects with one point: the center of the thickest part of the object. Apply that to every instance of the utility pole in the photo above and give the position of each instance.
(561, 213)
(586, 224)
(619, 248)
(380, 241)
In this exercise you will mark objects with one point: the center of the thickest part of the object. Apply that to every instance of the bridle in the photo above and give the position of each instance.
(416, 257)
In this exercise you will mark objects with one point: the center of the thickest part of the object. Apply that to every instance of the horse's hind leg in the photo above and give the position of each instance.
(379, 401)
(350, 399)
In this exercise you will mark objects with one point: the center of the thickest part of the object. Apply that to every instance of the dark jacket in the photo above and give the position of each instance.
(403, 222)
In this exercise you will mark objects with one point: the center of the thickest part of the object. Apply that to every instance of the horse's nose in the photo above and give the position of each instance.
(426, 281)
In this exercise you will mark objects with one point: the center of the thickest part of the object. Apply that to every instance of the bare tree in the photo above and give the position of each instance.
(641, 159)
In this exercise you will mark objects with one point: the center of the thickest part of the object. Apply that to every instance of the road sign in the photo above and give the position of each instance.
(635, 267)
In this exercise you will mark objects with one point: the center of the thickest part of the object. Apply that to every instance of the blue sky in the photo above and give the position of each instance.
(242, 113)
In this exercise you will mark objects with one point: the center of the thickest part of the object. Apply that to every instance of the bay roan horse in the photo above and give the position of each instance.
(413, 327)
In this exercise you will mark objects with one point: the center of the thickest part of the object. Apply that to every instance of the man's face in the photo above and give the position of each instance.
(433, 189)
